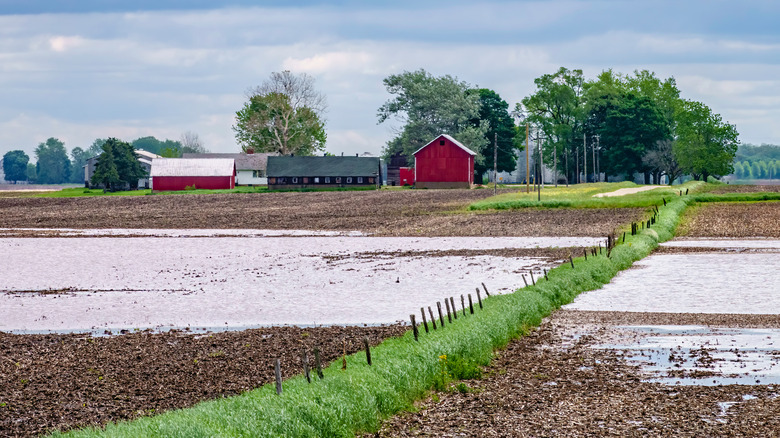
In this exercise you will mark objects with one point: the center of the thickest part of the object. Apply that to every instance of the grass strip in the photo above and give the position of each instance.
(737, 197)
(359, 398)
(582, 196)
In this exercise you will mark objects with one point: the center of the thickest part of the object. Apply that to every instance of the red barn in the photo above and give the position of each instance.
(201, 173)
(444, 163)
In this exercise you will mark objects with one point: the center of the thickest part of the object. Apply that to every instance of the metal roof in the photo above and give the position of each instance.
(192, 167)
(243, 161)
(448, 137)
(322, 166)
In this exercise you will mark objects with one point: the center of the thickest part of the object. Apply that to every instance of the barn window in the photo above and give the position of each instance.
(280, 180)
(254, 174)
(271, 180)
(349, 180)
(316, 180)
(295, 180)
(360, 180)
(338, 180)
(327, 180)
(305, 180)
(371, 180)
(441, 142)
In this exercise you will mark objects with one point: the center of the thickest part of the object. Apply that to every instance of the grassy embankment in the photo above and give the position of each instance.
(358, 398)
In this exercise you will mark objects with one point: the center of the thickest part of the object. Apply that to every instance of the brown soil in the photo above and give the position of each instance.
(65, 381)
(545, 384)
(384, 213)
(741, 188)
(730, 219)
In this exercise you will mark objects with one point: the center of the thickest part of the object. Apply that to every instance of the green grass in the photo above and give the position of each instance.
(357, 399)
(582, 196)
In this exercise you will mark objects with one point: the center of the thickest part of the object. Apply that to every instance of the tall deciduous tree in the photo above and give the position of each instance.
(429, 106)
(705, 145)
(80, 157)
(191, 143)
(284, 114)
(52, 164)
(662, 157)
(557, 109)
(631, 127)
(494, 110)
(15, 166)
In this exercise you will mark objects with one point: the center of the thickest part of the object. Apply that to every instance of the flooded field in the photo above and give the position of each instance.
(743, 280)
(695, 283)
(110, 283)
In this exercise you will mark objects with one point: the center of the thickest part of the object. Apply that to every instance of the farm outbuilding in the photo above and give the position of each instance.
(444, 163)
(201, 173)
(250, 167)
(289, 172)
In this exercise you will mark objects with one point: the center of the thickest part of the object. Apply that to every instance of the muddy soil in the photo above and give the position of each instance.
(548, 384)
(385, 213)
(727, 219)
(66, 381)
(743, 188)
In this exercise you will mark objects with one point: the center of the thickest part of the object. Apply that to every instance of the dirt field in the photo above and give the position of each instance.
(67, 381)
(384, 213)
(742, 188)
(758, 219)
(552, 384)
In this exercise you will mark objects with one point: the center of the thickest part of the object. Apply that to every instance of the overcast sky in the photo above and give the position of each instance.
(85, 69)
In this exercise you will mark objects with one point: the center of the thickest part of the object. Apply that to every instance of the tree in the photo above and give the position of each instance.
(96, 148)
(155, 146)
(557, 110)
(80, 157)
(15, 165)
(631, 127)
(32, 173)
(705, 145)
(284, 114)
(662, 157)
(495, 111)
(106, 173)
(429, 106)
(191, 143)
(52, 164)
(117, 165)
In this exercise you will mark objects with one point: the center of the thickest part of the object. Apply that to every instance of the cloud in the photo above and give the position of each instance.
(64, 43)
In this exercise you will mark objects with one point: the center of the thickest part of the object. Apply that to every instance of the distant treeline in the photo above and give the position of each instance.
(53, 164)
(757, 162)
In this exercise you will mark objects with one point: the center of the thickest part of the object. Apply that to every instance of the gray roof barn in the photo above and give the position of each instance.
(288, 166)
(243, 161)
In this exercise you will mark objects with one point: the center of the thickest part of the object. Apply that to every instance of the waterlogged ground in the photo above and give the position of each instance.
(109, 283)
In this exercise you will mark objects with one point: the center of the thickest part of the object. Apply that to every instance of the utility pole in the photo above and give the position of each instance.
(555, 164)
(566, 153)
(577, 163)
(584, 157)
(598, 148)
(527, 162)
(541, 171)
(593, 147)
(495, 162)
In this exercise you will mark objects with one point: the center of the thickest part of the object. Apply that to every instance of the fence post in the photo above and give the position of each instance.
(306, 370)
(414, 329)
(278, 373)
(433, 320)
(425, 321)
(318, 363)
(441, 315)
(479, 298)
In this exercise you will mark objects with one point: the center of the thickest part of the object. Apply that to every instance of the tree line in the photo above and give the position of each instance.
(622, 124)
(54, 165)
(757, 162)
